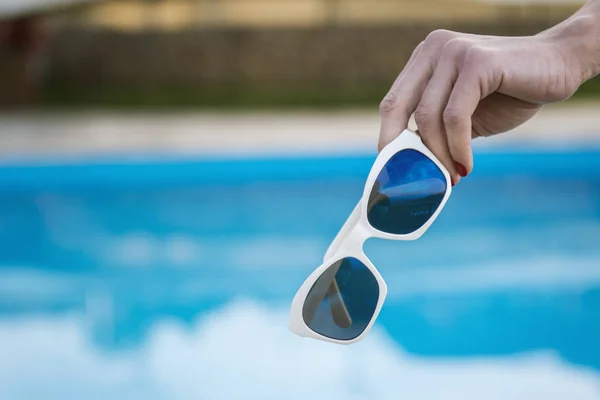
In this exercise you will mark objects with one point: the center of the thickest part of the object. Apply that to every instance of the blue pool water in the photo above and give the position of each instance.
(171, 279)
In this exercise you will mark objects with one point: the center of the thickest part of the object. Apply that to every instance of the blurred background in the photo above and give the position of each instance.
(172, 170)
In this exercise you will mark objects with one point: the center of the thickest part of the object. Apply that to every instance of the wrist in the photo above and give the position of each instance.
(577, 40)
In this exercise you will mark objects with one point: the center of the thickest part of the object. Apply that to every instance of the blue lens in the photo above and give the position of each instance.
(342, 301)
(408, 191)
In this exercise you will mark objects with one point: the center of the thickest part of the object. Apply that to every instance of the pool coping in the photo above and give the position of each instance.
(105, 134)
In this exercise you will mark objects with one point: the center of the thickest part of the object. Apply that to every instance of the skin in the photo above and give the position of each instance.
(462, 86)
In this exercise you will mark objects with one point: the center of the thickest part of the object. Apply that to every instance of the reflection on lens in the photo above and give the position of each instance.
(408, 191)
(342, 301)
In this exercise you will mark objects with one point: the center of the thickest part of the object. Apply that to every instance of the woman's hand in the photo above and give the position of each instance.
(460, 86)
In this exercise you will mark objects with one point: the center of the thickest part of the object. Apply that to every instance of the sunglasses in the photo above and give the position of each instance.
(405, 192)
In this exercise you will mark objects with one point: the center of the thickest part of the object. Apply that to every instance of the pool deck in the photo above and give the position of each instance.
(66, 135)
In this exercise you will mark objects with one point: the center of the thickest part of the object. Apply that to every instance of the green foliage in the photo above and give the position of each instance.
(238, 97)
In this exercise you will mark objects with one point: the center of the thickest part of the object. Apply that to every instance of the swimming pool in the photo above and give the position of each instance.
(172, 278)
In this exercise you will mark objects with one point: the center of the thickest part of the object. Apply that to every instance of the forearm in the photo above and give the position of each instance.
(579, 39)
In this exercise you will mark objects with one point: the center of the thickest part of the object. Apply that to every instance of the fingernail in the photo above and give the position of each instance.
(462, 171)
(452, 182)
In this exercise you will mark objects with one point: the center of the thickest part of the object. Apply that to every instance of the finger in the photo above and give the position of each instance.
(402, 100)
(457, 120)
(429, 112)
(394, 113)
(477, 78)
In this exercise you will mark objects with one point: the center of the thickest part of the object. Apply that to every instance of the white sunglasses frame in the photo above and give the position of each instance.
(350, 239)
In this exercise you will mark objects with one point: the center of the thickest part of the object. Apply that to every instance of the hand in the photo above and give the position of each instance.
(462, 86)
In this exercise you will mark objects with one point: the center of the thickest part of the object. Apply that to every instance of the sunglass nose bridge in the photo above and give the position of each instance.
(357, 237)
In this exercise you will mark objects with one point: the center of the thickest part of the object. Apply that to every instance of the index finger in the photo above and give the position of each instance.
(395, 111)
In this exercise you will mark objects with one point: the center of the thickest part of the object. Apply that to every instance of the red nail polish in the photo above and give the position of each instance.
(452, 182)
(462, 171)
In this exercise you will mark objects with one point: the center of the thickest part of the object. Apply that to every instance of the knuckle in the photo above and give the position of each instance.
(455, 47)
(423, 116)
(440, 37)
(429, 125)
(477, 57)
(452, 117)
(388, 104)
